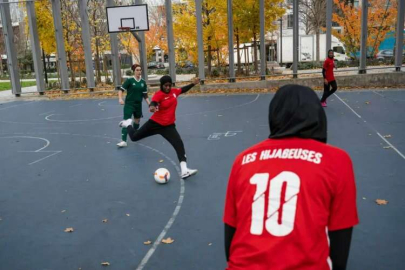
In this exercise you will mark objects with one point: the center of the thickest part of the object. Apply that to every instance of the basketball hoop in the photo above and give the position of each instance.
(124, 29)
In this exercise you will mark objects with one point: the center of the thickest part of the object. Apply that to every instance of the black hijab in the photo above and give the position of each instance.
(163, 80)
(295, 111)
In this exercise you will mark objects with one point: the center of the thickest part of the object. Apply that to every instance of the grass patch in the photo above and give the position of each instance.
(7, 85)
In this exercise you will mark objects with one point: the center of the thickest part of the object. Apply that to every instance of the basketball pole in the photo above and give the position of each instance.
(140, 37)
(116, 65)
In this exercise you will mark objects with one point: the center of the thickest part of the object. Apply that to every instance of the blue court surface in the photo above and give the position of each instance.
(60, 168)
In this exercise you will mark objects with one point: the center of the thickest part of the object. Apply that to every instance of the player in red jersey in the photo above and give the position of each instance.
(163, 106)
(328, 77)
(291, 199)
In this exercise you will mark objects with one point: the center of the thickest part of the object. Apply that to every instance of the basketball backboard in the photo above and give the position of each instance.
(134, 17)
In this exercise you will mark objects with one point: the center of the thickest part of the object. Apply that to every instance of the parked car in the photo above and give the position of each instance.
(185, 64)
(156, 65)
(385, 55)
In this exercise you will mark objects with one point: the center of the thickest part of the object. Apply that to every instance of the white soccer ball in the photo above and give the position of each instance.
(162, 176)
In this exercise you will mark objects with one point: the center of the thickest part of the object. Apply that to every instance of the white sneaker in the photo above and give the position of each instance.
(122, 144)
(125, 123)
(188, 173)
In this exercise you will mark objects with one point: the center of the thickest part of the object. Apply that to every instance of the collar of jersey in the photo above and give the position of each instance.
(137, 80)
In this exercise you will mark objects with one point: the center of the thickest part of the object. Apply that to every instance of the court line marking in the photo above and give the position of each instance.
(371, 127)
(17, 105)
(40, 150)
(176, 211)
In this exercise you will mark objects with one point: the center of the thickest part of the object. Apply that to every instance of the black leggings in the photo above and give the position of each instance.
(168, 132)
(326, 90)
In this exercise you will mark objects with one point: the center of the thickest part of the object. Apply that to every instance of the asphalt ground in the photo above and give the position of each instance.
(60, 168)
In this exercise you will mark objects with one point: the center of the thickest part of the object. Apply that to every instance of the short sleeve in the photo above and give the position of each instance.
(156, 97)
(126, 85)
(343, 212)
(230, 212)
(177, 91)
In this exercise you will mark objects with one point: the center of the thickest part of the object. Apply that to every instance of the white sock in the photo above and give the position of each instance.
(183, 166)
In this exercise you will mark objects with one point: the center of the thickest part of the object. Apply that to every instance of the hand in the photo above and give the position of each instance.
(196, 80)
(152, 109)
(121, 101)
(325, 81)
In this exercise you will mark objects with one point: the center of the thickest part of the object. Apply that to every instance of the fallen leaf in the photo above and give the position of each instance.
(210, 244)
(369, 134)
(161, 160)
(364, 198)
(387, 147)
(63, 211)
(69, 230)
(167, 240)
(105, 264)
(128, 215)
(219, 115)
(381, 202)
(147, 242)
(367, 102)
(105, 220)
(387, 136)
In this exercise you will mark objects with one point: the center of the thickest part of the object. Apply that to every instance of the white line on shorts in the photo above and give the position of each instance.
(382, 137)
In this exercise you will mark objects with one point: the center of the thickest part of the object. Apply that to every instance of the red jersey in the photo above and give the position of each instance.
(329, 65)
(167, 103)
(283, 196)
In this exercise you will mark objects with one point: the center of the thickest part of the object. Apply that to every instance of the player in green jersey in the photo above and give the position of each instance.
(136, 91)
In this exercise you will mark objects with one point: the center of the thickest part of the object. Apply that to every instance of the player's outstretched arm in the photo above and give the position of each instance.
(229, 233)
(186, 88)
(153, 106)
(339, 247)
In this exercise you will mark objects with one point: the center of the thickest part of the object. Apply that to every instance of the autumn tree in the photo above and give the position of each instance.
(381, 19)
(313, 15)
(247, 20)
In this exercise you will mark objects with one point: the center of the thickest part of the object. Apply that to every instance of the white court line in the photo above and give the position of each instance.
(393, 147)
(75, 105)
(218, 110)
(378, 94)
(45, 113)
(176, 211)
(358, 115)
(47, 143)
(81, 120)
(17, 105)
(385, 140)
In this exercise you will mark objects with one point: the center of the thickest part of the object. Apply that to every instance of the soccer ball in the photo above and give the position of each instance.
(162, 176)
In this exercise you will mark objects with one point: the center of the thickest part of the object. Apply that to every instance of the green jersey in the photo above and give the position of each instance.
(135, 90)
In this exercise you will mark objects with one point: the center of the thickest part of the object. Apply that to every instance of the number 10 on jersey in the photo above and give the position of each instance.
(281, 209)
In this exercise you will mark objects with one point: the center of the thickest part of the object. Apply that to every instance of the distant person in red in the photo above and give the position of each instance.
(163, 106)
(291, 199)
(329, 78)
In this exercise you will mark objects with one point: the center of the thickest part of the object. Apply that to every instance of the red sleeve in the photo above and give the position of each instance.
(156, 97)
(343, 212)
(177, 91)
(230, 213)
(325, 64)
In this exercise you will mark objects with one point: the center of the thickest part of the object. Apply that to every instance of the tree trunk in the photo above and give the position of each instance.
(72, 72)
(219, 62)
(255, 53)
(238, 51)
(98, 71)
(317, 45)
(209, 57)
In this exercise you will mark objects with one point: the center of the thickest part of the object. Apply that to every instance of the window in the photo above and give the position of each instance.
(290, 21)
(339, 49)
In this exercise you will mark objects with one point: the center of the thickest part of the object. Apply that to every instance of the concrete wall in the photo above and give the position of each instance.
(388, 79)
